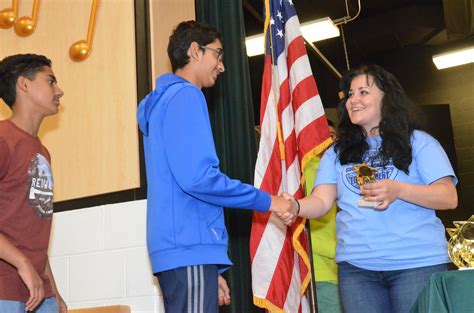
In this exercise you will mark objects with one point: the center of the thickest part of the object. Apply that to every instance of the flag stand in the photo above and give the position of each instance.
(311, 291)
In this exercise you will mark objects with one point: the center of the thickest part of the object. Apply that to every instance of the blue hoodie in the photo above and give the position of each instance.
(186, 189)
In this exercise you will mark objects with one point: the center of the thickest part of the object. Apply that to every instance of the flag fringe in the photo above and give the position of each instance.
(302, 253)
(266, 304)
(300, 228)
(315, 152)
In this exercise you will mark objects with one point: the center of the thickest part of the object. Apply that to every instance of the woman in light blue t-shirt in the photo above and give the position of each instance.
(386, 252)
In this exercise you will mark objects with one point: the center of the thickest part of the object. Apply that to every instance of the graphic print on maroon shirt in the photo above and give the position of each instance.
(40, 194)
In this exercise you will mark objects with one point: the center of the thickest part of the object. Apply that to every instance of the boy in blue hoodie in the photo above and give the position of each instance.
(186, 234)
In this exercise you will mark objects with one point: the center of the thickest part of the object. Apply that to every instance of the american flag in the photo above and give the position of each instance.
(293, 130)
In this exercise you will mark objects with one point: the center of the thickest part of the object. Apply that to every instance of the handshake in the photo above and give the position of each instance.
(285, 207)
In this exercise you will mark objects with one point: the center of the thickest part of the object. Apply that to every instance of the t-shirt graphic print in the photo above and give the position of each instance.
(40, 193)
(349, 173)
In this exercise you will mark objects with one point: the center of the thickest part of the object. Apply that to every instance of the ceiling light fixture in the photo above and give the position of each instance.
(312, 31)
(320, 29)
(255, 45)
(454, 58)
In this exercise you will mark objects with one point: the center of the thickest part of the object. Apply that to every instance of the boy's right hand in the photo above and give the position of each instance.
(33, 282)
(223, 291)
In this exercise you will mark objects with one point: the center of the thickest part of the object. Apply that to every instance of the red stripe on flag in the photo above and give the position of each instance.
(305, 90)
(290, 149)
(272, 177)
(282, 276)
(312, 135)
(259, 220)
(296, 49)
(266, 86)
(285, 97)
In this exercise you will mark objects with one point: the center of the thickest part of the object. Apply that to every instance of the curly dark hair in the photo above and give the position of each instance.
(182, 37)
(17, 65)
(399, 118)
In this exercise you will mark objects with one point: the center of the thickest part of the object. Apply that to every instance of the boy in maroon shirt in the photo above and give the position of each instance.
(28, 86)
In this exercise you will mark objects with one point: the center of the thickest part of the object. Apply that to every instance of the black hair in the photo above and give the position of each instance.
(182, 37)
(399, 118)
(14, 66)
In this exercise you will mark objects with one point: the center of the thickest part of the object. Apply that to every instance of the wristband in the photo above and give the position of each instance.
(299, 207)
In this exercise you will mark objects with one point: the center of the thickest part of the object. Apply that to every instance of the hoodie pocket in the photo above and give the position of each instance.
(213, 227)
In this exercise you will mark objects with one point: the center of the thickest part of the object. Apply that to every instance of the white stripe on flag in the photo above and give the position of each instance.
(300, 70)
(293, 295)
(292, 30)
(267, 140)
(309, 111)
(282, 71)
(294, 177)
(287, 121)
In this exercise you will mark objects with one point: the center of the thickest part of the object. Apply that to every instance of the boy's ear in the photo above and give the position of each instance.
(193, 50)
(22, 83)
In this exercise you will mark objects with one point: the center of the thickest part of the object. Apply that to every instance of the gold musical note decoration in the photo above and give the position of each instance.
(26, 25)
(80, 50)
(8, 15)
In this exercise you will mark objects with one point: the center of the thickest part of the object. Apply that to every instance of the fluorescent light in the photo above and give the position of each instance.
(255, 45)
(454, 58)
(312, 31)
(320, 29)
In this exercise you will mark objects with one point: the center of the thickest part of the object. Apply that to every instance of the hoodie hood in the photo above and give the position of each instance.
(146, 106)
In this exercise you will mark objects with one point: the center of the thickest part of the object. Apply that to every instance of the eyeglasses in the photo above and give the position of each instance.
(220, 52)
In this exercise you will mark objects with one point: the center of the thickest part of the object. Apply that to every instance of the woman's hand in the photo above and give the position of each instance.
(384, 191)
(439, 195)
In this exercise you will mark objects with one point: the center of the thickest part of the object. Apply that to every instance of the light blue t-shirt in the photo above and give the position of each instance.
(404, 235)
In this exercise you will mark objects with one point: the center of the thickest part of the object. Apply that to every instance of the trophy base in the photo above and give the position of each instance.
(368, 204)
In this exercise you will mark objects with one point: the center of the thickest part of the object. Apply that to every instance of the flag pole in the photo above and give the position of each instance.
(313, 297)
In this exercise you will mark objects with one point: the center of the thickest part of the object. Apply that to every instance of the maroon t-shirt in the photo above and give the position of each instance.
(26, 206)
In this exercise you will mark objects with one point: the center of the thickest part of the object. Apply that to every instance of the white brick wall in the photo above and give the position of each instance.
(98, 256)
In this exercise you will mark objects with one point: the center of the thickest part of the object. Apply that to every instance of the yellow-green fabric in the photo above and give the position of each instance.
(323, 233)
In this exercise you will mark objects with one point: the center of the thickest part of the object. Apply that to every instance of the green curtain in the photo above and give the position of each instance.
(231, 113)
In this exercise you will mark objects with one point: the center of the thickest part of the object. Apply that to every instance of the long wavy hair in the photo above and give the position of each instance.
(399, 118)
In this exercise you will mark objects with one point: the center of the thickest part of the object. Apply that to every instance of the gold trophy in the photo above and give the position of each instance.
(461, 244)
(365, 175)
